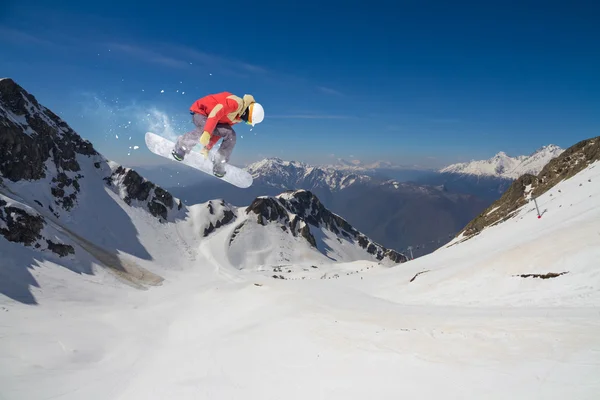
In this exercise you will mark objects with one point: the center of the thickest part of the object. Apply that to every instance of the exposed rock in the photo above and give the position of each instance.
(417, 274)
(31, 134)
(60, 184)
(35, 143)
(296, 211)
(236, 231)
(268, 209)
(62, 250)
(228, 216)
(20, 226)
(549, 275)
(158, 200)
(514, 198)
(566, 165)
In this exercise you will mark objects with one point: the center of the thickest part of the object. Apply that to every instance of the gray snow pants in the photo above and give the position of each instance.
(188, 140)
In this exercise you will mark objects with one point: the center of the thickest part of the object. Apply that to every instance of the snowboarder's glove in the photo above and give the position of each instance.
(204, 139)
(204, 152)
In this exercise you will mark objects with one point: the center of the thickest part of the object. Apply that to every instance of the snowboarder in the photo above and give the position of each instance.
(214, 116)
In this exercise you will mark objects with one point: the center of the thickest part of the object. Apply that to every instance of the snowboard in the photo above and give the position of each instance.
(162, 147)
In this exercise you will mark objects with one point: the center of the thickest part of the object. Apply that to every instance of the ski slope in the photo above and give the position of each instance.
(465, 328)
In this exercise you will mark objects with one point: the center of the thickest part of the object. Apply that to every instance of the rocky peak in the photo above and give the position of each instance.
(220, 213)
(268, 209)
(298, 211)
(137, 188)
(308, 207)
(31, 134)
(550, 148)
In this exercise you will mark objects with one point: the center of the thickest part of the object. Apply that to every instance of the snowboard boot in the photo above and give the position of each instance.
(219, 166)
(178, 154)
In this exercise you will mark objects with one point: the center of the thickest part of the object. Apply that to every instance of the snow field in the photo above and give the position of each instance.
(465, 329)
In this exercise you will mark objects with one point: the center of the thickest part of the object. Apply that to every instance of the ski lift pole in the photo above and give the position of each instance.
(537, 208)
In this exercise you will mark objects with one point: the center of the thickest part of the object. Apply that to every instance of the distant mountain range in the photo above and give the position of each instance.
(357, 165)
(394, 213)
(561, 167)
(504, 166)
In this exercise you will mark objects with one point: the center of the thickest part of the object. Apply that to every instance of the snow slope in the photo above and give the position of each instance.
(466, 327)
(504, 166)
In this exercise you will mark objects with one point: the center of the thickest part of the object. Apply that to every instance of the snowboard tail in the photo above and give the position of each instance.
(162, 147)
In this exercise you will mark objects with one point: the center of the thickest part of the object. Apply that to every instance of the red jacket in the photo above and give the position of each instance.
(224, 108)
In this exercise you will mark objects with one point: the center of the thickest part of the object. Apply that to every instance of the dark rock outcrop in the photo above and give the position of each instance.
(157, 200)
(296, 211)
(222, 217)
(568, 164)
(502, 209)
(62, 250)
(549, 275)
(270, 209)
(19, 226)
(30, 134)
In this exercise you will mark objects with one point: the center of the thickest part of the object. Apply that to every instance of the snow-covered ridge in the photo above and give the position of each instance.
(504, 166)
(529, 186)
(287, 175)
(359, 166)
(304, 230)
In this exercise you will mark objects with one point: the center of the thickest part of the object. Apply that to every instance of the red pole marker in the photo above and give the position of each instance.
(537, 209)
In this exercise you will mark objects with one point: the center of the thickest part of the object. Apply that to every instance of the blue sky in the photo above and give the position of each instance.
(412, 82)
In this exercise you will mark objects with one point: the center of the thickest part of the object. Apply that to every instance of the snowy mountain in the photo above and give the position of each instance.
(278, 173)
(393, 213)
(504, 166)
(512, 311)
(297, 221)
(359, 166)
(62, 199)
(527, 187)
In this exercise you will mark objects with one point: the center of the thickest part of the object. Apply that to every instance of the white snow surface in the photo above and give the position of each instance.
(466, 328)
(504, 166)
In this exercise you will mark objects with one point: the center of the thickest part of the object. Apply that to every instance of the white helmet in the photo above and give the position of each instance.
(256, 114)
